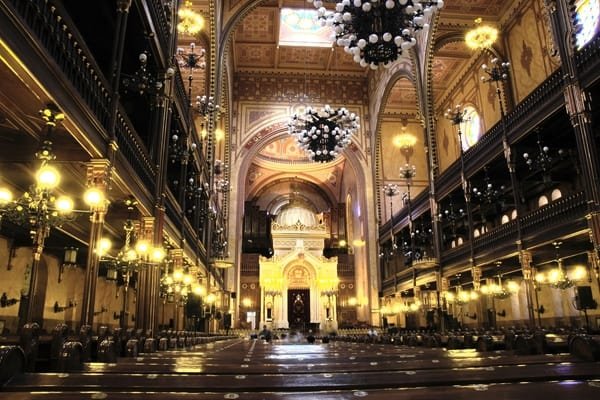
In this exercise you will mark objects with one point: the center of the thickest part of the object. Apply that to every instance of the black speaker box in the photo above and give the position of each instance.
(233, 295)
(584, 299)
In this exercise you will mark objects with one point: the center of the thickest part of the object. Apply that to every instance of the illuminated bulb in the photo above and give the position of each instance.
(169, 280)
(47, 177)
(94, 197)
(104, 246)
(6, 196)
(211, 298)
(64, 205)
(200, 290)
(142, 247)
(130, 255)
(187, 279)
(158, 254)
(178, 275)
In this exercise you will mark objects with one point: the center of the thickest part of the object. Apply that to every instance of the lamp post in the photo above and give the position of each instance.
(133, 257)
(497, 73)
(391, 190)
(408, 173)
(40, 209)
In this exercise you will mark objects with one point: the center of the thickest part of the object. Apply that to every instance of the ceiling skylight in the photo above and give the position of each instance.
(299, 27)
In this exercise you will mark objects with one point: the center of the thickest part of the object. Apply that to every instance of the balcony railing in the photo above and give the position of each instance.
(587, 61)
(54, 30)
(559, 212)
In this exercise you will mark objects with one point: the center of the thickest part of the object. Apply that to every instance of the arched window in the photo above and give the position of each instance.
(459, 241)
(513, 215)
(556, 194)
(471, 127)
(542, 201)
(476, 233)
(505, 219)
(587, 21)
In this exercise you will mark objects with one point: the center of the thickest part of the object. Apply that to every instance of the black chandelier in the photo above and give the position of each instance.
(323, 134)
(377, 31)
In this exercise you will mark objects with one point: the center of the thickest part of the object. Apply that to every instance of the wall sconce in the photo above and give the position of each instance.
(102, 310)
(541, 309)
(471, 316)
(6, 302)
(69, 260)
(58, 308)
(501, 313)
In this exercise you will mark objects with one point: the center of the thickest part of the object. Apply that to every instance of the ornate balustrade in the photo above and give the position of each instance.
(161, 24)
(587, 61)
(55, 31)
(561, 212)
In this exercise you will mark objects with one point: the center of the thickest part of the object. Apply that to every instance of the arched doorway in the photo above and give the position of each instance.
(299, 309)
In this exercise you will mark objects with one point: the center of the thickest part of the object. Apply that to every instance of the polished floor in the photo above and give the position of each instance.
(293, 369)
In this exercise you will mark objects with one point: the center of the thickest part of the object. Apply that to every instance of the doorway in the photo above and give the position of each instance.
(299, 309)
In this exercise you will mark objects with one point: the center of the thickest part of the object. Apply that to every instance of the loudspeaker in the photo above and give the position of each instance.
(233, 295)
(584, 299)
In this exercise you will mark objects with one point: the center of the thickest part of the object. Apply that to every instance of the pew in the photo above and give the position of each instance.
(12, 362)
(586, 347)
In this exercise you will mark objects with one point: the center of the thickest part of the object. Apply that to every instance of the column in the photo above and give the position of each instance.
(578, 106)
(147, 296)
(527, 270)
(98, 176)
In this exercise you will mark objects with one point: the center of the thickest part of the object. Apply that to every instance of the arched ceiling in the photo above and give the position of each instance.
(255, 49)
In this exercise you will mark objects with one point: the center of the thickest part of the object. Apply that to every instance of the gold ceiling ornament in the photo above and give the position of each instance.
(190, 22)
(404, 140)
(482, 36)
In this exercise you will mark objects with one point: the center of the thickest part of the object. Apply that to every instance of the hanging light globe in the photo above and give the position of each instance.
(377, 32)
(323, 134)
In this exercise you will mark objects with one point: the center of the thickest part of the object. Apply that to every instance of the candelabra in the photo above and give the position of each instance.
(482, 36)
(558, 278)
(377, 32)
(130, 258)
(39, 208)
(144, 82)
(408, 173)
(501, 290)
(390, 190)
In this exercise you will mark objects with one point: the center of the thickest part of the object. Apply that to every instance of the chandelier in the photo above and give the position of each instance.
(132, 256)
(558, 278)
(190, 22)
(500, 290)
(323, 135)
(40, 208)
(461, 296)
(377, 31)
(180, 283)
(482, 36)
(488, 194)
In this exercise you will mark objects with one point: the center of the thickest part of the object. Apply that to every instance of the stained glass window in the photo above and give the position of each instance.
(299, 27)
(471, 127)
(587, 21)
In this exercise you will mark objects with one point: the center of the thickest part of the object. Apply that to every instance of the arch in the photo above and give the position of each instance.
(472, 128)
(542, 200)
(556, 194)
(505, 219)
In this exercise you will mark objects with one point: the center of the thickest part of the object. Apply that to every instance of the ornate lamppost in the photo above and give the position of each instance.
(40, 209)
